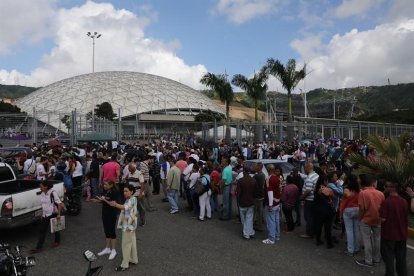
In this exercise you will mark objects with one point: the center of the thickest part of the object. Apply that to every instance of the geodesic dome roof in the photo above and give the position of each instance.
(132, 92)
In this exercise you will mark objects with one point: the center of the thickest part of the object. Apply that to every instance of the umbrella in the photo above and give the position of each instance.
(54, 143)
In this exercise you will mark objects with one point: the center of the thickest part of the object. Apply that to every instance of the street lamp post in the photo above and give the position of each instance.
(93, 36)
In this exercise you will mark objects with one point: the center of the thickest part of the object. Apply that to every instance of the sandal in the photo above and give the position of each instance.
(120, 268)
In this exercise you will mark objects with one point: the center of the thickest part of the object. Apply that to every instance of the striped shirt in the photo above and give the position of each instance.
(144, 168)
(310, 184)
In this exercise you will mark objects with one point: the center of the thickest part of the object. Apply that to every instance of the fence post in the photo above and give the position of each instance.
(34, 138)
(215, 131)
(238, 133)
(119, 125)
(280, 132)
(73, 126)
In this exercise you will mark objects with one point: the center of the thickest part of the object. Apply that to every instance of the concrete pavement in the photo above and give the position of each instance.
(179, 245)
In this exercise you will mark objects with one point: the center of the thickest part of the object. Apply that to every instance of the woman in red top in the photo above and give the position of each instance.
(215, 177)
(349, 211)
(272, 205)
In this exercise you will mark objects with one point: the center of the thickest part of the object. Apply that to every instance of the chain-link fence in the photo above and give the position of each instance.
(302, 128)
(40, 126)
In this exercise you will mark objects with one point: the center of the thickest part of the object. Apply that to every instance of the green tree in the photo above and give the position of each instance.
(255, 87)
(222, 87)
(288, 77)
(66, 120)
(393, 161)
(104, 111)
(207, 116)
(6, 107)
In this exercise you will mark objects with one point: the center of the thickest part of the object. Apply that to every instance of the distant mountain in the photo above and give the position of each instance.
(390, 103)
(15, 91)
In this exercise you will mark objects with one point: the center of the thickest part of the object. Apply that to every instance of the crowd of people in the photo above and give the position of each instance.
(209, 179)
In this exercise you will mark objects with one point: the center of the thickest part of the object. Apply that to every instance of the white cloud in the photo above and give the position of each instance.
(354, 7)
(123, 46)
(22, 24)
(360, 58)
(241, 11)
(401, 9)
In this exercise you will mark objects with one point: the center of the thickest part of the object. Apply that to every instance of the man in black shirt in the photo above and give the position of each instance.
(298, 181)
(258, 206)
(94, 176)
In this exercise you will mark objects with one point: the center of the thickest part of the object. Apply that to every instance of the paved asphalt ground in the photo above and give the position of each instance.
(179, 245)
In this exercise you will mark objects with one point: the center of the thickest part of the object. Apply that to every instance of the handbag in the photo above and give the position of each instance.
(57, 225)
(199, 188)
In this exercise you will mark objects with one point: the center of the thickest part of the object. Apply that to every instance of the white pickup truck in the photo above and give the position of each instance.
(20, 199)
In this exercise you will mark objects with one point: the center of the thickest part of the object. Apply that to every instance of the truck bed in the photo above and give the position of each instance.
(20, 185)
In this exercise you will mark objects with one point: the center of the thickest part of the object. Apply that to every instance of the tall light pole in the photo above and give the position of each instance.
(93, 36)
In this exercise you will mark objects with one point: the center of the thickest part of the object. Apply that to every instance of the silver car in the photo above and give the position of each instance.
(285, 166)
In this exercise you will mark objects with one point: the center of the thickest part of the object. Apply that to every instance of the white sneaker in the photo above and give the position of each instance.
(105, 251)
(173, 211)
(112, 255)
(267, 241)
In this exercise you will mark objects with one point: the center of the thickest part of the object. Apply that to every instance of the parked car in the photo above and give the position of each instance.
(20, 199)
(285, 166)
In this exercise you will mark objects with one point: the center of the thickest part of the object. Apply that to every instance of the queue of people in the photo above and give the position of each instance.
(210, 180)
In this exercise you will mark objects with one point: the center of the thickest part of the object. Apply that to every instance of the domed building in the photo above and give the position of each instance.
(138, 97)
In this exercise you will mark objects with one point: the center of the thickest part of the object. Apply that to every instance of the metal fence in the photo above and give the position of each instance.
(40, 126)
(303, 128)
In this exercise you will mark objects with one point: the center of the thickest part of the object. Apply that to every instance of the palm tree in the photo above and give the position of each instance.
(255, 87)
(392, 163)
(221, 86)
(288, 76)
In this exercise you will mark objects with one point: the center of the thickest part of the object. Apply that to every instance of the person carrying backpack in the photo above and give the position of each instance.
(204, 198)
(52, 207)
(64, 176)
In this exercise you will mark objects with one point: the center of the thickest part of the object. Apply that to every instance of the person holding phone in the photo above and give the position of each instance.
(128, 223)
(109, 216)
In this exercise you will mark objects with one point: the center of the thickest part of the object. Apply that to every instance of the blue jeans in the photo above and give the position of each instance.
(226, 202)
(273, 223)
(246, 217)
(214, 203)
(96, 190)
(351, 221)
(172, 196)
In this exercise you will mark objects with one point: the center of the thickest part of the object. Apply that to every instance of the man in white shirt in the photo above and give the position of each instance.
(29, 166)
(192, 180)
(41, 173)
(283, 156)
(164, 169)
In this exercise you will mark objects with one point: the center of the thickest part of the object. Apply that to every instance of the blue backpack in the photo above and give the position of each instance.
(67, 179)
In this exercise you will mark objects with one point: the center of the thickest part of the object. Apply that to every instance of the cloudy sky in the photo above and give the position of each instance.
(345, 43)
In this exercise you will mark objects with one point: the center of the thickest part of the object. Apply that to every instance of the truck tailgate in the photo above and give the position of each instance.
(25, 202)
